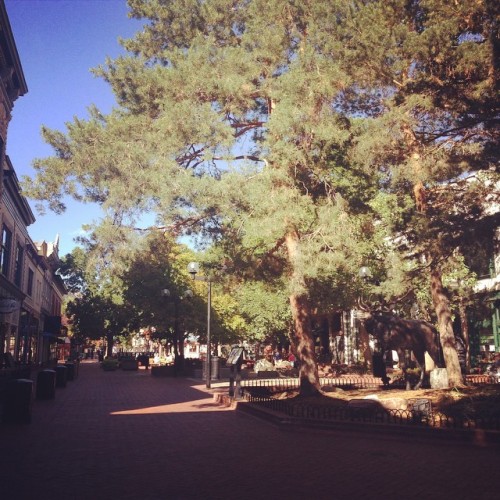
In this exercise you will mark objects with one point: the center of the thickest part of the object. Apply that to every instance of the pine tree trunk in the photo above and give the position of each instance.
(301, 314)
(304, 343)
(364, 340)
(109, 342)
(439, 298)
(445, 327)
(465, 335)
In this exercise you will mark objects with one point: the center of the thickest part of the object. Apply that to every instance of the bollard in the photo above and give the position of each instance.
(46, 384)
(61, 375)
(71, 372)
(17, 403)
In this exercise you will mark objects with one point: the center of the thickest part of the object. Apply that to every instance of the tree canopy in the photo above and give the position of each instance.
(294, 137)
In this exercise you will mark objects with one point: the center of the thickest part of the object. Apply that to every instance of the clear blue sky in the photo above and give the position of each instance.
(59, 41)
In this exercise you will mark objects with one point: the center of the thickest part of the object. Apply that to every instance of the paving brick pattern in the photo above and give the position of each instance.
(128, 435)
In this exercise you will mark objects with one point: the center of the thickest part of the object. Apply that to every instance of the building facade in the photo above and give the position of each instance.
(31, 292)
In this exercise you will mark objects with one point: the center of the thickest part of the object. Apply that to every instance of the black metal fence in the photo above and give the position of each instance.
(419, 411)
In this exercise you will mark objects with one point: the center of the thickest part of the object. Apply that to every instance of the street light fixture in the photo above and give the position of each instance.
(365, 273)
(193, 269)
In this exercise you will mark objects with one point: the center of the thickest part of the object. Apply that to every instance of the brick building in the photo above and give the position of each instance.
(31, 292)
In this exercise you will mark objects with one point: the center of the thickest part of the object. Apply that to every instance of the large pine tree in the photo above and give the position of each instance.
(226, 127)
(426, 83)
(260, 126)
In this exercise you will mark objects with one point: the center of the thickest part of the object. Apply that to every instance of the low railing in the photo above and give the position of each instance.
(482, 379)
(353, 381)
(345, 382)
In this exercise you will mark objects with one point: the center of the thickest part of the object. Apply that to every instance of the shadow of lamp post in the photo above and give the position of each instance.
(178, 336)
(193, 269)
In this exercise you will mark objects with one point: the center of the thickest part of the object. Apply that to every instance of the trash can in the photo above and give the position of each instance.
(215, 362)
(17, 403)
(71, 372)
(214, 368)
(61, 375)
(46, 384)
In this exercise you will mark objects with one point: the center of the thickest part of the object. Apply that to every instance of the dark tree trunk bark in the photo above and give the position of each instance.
(445, 328)
(178, 341)
(465, 334)
(364, 339)
(301, 314)
(109, 346)
(439, 298)
(304, 342)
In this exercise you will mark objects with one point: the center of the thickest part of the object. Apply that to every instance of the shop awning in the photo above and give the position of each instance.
(54, 338)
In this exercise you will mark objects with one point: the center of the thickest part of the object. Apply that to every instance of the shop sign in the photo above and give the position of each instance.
(8, 306)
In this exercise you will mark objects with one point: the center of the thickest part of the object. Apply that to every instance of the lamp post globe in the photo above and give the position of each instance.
(364, 272)
(193, 268)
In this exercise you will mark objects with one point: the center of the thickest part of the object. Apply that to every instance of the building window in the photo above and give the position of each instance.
(31, 277)
(18, 265)
(5, 250)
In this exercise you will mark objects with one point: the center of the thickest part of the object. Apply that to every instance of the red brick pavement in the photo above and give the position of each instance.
(128, 435)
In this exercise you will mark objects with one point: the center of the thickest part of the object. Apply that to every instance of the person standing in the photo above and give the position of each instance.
(267, 362)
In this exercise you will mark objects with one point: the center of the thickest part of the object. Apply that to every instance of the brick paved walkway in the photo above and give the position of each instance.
(128, 435)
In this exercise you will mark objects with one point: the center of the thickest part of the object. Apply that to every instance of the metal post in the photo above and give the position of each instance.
(193, 268)
(209, 355)
(177, 352)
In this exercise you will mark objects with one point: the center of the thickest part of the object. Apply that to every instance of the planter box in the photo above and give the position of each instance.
(163, 371)
(129, 364)
(110, 365)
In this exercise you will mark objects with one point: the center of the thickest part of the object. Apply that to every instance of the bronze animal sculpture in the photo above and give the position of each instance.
(400, 335)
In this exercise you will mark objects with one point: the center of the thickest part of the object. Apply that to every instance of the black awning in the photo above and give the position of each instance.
(53, 338)
(52, 325)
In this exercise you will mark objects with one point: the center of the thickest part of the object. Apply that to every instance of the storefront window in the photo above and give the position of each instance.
(28, 338)
(18, 265)
(5, 250)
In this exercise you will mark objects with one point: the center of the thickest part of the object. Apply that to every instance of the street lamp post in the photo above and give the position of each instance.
(193, 269)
